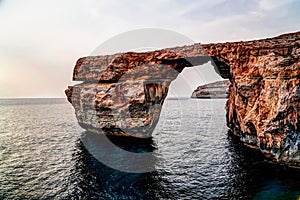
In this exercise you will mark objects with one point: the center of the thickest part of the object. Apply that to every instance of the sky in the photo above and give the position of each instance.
(40, 41)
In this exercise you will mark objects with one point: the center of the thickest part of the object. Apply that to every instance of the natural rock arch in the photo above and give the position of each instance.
(122, 94)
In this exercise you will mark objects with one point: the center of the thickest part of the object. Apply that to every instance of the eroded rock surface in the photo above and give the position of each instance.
(264, 105)
(122, 94)
(126, 108)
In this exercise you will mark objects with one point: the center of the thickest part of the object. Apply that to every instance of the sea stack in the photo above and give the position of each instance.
(122, 94)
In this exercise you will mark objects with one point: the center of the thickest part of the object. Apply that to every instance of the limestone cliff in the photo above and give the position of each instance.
(122, 94)
(219, 89)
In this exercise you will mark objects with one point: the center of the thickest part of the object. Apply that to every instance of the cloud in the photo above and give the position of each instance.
(274, 4)
(45, 38)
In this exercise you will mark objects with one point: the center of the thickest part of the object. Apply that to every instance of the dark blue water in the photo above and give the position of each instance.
(42, 156)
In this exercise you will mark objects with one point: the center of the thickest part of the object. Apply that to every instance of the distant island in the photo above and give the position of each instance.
(219, 89)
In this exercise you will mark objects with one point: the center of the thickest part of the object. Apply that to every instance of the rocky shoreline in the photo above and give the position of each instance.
(216, 90)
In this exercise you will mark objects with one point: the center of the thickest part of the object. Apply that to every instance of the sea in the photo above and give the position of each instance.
(43, 155)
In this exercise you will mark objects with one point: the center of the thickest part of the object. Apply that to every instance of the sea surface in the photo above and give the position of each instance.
(43, 156)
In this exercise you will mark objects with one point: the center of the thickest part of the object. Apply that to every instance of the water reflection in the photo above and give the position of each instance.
(245, 174)
(254, 177)
(127, 154)
(93, 179)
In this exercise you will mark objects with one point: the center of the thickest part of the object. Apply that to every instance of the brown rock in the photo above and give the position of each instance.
(122, 94)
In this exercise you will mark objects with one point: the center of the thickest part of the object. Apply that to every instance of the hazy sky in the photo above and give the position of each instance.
(41, 40)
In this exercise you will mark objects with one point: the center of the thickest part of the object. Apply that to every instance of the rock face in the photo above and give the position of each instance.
(219, 89)
(128, 108)
(264, 104)
(122, 94)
